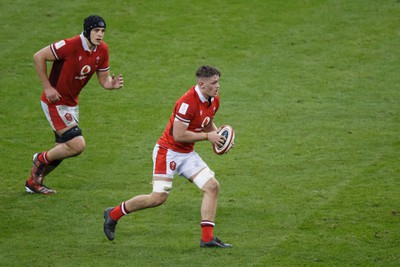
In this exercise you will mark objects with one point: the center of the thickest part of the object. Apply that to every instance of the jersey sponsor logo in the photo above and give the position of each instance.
(183, 109)
(205, 122)
(59, 44)
(84, 71)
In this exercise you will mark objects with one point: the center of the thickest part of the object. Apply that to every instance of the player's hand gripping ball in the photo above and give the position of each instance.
(228, 132)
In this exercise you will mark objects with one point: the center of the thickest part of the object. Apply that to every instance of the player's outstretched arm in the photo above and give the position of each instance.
(110, 82)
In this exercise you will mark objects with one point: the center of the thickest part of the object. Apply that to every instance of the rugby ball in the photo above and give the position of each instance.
(228, 132)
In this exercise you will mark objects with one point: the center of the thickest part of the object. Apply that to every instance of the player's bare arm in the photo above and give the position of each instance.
(40, 58)
(182, 134)
(110, 82)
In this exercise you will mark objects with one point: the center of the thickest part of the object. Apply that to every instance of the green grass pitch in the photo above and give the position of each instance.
(311, 88)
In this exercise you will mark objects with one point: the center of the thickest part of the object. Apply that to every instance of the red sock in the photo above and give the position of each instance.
(43, 158)
(207, 230)
(118, 212)
(31, 182)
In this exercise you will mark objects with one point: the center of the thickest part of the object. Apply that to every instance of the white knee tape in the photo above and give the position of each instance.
(201, 179)
(162, 186)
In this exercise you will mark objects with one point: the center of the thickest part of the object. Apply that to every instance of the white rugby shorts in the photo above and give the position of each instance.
(61, 116)
(167, 163)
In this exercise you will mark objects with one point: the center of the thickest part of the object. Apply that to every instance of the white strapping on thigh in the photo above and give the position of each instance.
(203, 176)
(160, 186)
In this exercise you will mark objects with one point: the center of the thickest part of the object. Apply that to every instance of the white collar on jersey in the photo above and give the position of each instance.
(202, 98)
(84, 44)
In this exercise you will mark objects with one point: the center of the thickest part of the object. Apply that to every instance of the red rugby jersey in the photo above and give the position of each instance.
(194, 109)
(74, 66)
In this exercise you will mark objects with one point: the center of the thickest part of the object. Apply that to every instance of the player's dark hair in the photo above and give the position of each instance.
(207, 72)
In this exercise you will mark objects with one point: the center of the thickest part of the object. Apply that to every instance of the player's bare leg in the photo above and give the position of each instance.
(145, 201)
(208, 211)
(62, 151)
(46, 162)
(71, 148)
(210, 200)
(140, 202)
